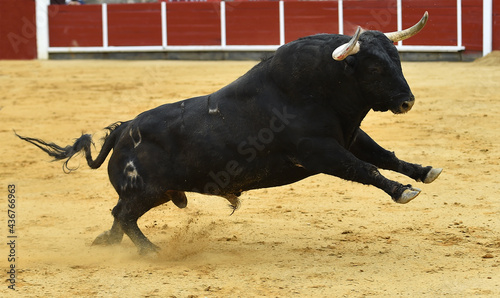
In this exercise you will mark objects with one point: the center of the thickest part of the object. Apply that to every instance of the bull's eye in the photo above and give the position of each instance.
(375, 69)
(351, 61)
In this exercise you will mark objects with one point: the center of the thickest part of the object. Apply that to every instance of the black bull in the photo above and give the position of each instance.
(293, 115)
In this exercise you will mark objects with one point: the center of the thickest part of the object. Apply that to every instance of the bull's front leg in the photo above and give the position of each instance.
(113, 236)
(365, 148)
(325, 155)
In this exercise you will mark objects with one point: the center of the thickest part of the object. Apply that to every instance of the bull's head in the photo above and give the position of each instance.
(378, 67)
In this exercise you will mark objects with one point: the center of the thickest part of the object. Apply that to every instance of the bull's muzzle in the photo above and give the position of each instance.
(405, 106)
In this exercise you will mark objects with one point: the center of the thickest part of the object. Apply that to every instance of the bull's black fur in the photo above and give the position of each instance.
(295, 114)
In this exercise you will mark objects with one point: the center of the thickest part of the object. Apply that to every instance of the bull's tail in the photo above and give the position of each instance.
(82, 143)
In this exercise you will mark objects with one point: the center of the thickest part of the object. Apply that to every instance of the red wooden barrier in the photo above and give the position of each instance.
(252, 23)
(17, 29)
(472, 29)
(193, 23)
(303, 18)
(75, 26)
(371, 14)
(257, 22)
(496, 25)
(134, 25)
(441, 29)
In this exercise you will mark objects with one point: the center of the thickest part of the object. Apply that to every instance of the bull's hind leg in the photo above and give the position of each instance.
(132, 206)
(126, 213)
(365, 148)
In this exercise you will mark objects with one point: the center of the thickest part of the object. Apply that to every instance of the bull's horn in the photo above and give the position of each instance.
(407, 33)
(350, 48)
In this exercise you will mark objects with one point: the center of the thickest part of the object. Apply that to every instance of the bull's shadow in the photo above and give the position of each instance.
(295, 114)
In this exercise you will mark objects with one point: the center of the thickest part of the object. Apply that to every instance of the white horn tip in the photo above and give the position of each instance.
(425, 16)
(407, 33)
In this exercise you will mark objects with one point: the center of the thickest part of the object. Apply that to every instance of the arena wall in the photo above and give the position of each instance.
(496, 25)
(17, 29)
(454, 28)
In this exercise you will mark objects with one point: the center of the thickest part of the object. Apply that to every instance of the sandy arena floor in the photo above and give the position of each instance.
(321, 237)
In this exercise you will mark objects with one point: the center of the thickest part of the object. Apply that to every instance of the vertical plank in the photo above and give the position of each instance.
(252, 23)
(193, 23)
(17, 29)
(75, 26)
(136, 24)
(303, 18)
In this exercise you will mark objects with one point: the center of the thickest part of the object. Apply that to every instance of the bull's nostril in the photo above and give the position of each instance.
(407, 105)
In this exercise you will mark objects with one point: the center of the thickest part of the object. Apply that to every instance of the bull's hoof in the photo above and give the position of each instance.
(149, 249)
(178, 197)
(408, 195)
(432, 175)
(106, 238)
